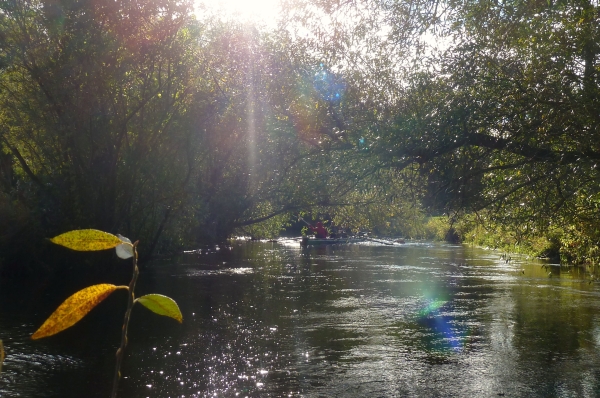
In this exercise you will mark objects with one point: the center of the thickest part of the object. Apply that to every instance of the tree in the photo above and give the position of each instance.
(508, 116)
(94, 98)
(140, 119)
(495, 102)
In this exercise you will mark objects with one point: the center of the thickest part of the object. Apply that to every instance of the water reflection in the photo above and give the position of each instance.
(418, 320)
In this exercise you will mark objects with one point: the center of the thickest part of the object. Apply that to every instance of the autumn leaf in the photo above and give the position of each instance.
(87, 240)
(74, 308)
(161, 305)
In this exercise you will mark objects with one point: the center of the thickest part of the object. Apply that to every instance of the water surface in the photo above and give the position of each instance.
(271, 320)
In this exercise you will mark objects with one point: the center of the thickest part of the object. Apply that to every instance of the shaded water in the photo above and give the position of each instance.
(270, 320)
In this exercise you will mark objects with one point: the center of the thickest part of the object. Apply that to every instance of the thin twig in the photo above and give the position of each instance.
(130, 302)
(1, 355)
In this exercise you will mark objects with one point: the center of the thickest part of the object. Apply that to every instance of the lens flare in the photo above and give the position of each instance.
(328, 85)
(445, 335)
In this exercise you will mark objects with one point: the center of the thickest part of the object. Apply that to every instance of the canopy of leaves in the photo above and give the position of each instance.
(179, 130)
(495, 102)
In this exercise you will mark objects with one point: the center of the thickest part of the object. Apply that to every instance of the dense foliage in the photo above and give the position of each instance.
(496, 105)
(508, 122)
(141, 118)
(181, 129)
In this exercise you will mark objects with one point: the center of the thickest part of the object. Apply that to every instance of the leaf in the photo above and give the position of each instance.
(124, 239)
(125, 249)
(87, 240)
(161, 305)
(74, 308)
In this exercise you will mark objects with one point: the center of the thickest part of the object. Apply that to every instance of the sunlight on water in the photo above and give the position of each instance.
(354, 321)
(224, 271)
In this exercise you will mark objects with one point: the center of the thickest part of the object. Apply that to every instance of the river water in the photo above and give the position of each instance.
(364, 320)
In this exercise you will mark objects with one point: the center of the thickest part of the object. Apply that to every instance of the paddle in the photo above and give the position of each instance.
(310, 226)
(305, 222)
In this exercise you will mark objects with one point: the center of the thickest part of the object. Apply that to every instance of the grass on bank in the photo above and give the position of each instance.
(569, 244)
(471, 229)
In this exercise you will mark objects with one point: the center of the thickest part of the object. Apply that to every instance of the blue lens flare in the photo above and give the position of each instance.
(328, 85)
(445, 334)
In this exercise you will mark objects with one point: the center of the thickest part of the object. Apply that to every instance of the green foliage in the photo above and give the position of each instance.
(386, 202)
(479, 230)
(579, 244)
(93, 96)
(269, 228)
(143, 119)
(437, 228)
(501, 118)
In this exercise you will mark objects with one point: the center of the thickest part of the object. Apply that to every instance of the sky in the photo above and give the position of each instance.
(261, 11)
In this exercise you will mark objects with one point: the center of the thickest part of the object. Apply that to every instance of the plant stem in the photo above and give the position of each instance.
(130, 302)
(1, 355)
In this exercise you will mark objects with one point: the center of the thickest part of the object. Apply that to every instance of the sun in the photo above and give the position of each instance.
(258, 11)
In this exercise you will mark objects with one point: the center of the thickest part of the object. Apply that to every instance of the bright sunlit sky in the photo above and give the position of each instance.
(261, 11)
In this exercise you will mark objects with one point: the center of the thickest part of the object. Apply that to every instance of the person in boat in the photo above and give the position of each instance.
(319, 230)
(333, 234)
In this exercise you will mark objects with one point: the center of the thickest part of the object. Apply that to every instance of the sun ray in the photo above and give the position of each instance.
(265, 12)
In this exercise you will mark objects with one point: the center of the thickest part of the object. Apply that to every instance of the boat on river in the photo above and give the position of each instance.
(306, 241)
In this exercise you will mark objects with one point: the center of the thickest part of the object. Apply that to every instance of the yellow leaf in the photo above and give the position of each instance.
(74, 308)
(87, 240)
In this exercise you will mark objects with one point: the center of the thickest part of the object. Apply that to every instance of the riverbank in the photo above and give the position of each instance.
(570, 245)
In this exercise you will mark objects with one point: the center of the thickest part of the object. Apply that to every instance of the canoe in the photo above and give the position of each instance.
(329, 241)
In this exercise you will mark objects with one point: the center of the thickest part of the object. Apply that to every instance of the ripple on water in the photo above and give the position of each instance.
(223, 271)
(369, 322)
(24, 370)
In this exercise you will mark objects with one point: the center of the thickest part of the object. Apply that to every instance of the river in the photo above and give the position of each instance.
(365, 320)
